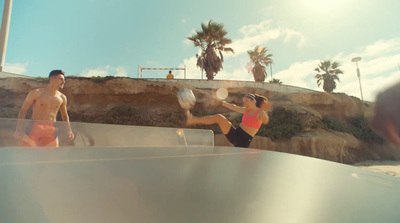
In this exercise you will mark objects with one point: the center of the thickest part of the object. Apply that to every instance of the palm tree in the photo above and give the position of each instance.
(261, 60)
(211, 39)
(329, 75)
(275, 81)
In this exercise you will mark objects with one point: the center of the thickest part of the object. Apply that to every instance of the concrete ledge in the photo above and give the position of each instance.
(6, 74)
(214, 84)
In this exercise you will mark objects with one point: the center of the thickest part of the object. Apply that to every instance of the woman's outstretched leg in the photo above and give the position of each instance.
(223, 123)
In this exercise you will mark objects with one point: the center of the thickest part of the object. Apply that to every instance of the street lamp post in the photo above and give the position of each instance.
(5, 26)
(356, 59)
(197, 56)
(202, 68)
(270, 67)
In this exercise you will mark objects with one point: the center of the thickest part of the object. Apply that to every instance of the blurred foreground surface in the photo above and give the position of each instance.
(188, 184)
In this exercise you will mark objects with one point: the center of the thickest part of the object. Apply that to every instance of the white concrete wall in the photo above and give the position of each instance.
(215, 84)
(6, 74)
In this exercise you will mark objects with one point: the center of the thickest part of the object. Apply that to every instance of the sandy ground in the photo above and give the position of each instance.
(385, 166)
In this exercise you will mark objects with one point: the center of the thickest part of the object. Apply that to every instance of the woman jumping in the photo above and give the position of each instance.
(254, 114)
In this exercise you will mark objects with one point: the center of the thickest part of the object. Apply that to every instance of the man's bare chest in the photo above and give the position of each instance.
(48, 101)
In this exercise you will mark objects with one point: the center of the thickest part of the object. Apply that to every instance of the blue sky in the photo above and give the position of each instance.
(113, 37)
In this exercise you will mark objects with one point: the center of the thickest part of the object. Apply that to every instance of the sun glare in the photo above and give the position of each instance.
(323, 6)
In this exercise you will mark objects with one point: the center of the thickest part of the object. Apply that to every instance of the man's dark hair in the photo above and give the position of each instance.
(56, 72)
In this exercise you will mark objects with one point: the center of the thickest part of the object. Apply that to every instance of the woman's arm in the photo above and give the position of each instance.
(233, 107)
(263, 117)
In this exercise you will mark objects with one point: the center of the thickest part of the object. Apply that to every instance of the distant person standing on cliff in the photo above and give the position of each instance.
(170, 75)
(46, 103)
(386, 119)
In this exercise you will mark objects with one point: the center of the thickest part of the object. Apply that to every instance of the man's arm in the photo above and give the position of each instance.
(65, 118)
(233, 107)
(22, 112)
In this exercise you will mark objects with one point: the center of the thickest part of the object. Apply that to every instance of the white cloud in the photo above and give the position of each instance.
(105, 71)
(375, 74)
(370, 86)
(299, 74)
(256, 29)
(252, 35)
(292, 34)
(187, 42)
(16, 68)
(260, 34)
(377, 71)
(192, 71)
(379, 65)
(230, 72)
(120, 72)
(240, 74)
(382, 47)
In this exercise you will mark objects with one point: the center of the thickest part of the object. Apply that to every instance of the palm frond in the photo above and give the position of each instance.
(227, 49)
(335, 65)
(328, 75)
(212, 40)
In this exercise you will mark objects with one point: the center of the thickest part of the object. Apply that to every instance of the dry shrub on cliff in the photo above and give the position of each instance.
(5, 93)
(359, 127)
(284, 123)
(126, 115)
(7, 108)
(98, 79)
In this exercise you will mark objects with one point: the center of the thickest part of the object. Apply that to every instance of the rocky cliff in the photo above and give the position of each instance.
(312, 123)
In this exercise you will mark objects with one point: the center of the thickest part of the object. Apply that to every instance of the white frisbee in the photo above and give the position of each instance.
(222, 93)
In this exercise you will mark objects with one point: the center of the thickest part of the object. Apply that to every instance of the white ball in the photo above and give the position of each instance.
(222, 93)
(186, 98)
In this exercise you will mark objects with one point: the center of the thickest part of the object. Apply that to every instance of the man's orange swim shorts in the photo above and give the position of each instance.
(40, 133)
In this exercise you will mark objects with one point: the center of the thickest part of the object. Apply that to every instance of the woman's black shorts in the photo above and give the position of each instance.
(238, 137)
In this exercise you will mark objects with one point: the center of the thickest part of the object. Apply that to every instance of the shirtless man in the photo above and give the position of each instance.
(46, 104)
